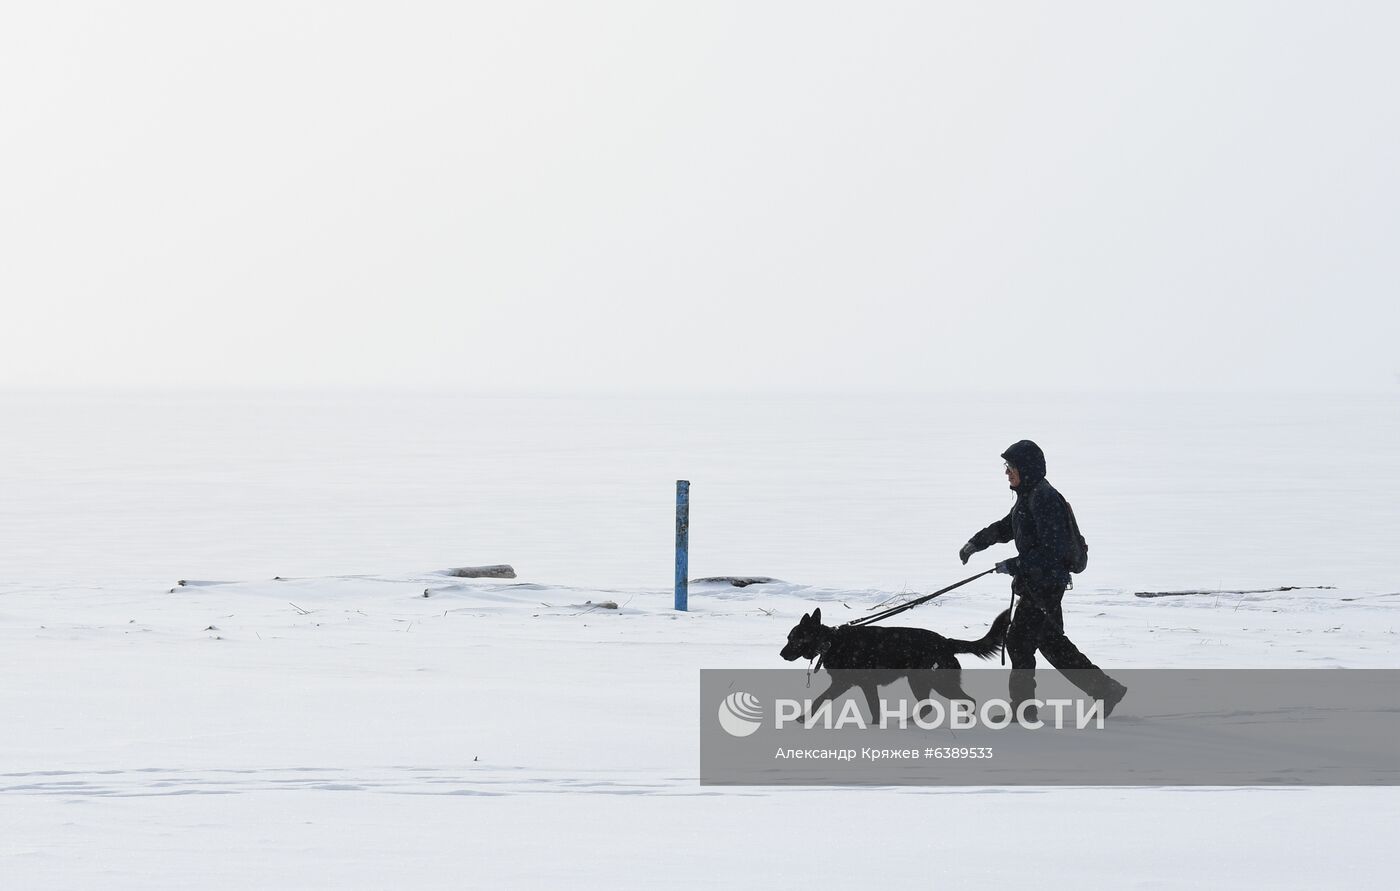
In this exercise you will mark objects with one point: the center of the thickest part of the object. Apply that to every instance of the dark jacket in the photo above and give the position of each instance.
(1038, 523)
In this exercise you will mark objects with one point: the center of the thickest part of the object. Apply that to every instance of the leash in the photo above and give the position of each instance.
(816, 664)
(1012, 609)
(913, 603)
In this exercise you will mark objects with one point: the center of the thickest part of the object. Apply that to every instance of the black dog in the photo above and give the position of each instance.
(869, 657)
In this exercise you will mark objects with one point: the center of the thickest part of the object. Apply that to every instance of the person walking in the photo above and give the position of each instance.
(1039, 523)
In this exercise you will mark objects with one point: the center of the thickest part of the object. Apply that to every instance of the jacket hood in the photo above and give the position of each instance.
(1029, 460)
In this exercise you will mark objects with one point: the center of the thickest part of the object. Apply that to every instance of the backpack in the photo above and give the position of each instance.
(1078, 547)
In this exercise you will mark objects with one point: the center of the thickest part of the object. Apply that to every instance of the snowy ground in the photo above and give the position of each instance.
(216, 736)
(349, 732)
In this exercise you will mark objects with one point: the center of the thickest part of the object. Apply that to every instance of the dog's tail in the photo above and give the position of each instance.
(987, 646)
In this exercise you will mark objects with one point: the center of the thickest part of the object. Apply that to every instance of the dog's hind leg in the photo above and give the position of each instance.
(921, 683)
(947, 680)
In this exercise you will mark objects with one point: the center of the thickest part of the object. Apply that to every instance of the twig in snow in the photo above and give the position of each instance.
(886, 600)
(906, 595)
(304, 612)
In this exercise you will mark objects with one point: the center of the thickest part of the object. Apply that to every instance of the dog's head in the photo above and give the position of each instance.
(805, 639)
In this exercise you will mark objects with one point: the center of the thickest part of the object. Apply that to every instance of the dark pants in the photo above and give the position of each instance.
(1038, 624)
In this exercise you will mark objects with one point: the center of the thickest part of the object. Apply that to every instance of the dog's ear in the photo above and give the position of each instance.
(806, 619)
(817, 615)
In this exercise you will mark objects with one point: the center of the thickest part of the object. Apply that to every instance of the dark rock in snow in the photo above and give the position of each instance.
(498, 571)
(738, 581)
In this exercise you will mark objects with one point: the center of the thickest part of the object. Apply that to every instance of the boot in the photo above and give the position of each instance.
(1031, 715)
(1112, 696)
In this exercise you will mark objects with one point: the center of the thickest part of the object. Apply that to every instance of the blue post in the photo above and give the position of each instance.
(682, 543)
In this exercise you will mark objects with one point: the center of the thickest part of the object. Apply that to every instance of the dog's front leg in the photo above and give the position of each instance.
(837, 687)
(872, 700)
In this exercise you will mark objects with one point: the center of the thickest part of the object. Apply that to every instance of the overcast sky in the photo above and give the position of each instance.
(748, 196)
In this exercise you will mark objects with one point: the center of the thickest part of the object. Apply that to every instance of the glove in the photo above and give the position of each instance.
(1007, 567)
(967, 551)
